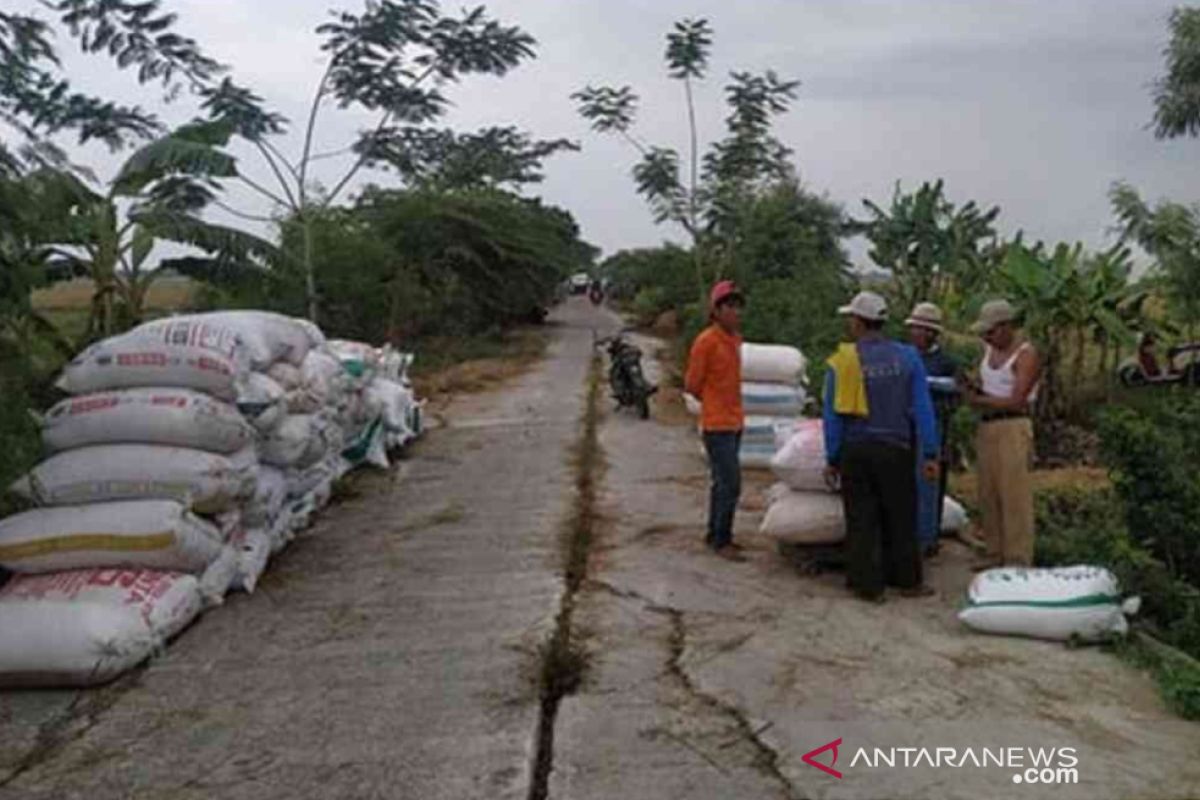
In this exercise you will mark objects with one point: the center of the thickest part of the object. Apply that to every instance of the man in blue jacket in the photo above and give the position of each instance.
(877, 412)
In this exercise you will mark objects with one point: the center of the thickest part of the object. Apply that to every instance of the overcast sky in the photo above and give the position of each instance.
(1033, 105)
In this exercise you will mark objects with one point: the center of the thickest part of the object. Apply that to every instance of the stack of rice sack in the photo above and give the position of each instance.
(773, 398)
(802, 508)
(148, 463)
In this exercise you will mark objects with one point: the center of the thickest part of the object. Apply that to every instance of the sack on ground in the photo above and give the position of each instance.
(188, 356)
(368, 445)
(391, 401)
(218, 577)
(804, 517)
(772, 363)
(208, 483)
(174, 417)
(134, 534)
(253, 548)
(800, 460)
(954, 516)
(85, 627)
(773, 399)
(1080, 602)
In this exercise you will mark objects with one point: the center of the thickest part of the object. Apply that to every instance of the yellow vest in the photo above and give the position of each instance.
(850, 390)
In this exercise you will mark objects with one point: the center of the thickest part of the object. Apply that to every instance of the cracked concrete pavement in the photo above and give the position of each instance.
(711, 679)
(394, 650)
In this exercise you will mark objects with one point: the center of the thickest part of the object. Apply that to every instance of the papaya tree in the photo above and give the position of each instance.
(746, 161)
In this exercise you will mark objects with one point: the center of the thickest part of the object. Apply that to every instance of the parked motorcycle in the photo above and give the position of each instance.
(1182, 366)
(625, 377)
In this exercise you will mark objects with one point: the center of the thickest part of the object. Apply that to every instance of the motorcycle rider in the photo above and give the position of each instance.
(714, 377)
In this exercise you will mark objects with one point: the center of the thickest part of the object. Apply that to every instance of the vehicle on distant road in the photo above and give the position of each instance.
(580, 282)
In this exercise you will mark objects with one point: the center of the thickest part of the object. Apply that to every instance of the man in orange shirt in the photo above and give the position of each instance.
(714, 377)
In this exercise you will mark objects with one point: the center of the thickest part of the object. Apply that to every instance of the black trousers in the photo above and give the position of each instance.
(879, 494)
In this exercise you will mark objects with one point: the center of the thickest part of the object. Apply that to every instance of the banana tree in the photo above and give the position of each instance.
(1069, 299)
(157, 196)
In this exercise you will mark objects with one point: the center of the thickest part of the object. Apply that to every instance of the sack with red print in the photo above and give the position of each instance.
(187, 354)
(174, 417)
(86, 627)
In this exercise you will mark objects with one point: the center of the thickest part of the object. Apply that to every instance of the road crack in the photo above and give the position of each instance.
(563, 657)
(766, 758)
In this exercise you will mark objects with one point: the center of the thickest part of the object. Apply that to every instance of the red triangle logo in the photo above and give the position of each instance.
(810, 758)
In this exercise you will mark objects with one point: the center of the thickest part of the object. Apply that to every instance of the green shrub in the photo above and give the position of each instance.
(1154, 456)
(648, 303)
(1080, 526)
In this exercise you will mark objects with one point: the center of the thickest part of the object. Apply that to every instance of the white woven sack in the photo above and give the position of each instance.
(288, 376)
(954, 516)
(756, 456)
(804, 517)
(86, 627)
(323, 382)
(165, 416)
(763, 430)
(268, 337)
(392, 401)
(208, 483)
(270, 496)
(301, 440)
(772, 399)
(263, 402)
(185, 355)
(772, 363)
(800, 461)
(149, 534)
(253, 547)
(218, 577)
(1067, 603)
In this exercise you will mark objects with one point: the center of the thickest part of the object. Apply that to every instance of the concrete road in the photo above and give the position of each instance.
(391, 652)
(395, 650)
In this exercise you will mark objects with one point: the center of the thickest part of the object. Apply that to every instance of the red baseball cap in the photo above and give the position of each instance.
(722, 291)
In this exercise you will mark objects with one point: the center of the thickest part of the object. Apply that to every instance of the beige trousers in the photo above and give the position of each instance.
(1004, 449)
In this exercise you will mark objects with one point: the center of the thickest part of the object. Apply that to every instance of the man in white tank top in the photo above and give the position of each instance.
(1004, 444)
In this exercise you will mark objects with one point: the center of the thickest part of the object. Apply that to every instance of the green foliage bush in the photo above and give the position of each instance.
(414, 264)
(1081, 526)
(1154, 455)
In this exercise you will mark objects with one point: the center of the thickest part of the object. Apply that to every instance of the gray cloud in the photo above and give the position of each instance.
(1034, 106)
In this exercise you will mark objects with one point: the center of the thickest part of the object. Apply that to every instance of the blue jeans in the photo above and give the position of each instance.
(722, 448)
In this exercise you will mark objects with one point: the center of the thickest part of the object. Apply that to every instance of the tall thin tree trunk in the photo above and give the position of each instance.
(310, 279)
(697, 261)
